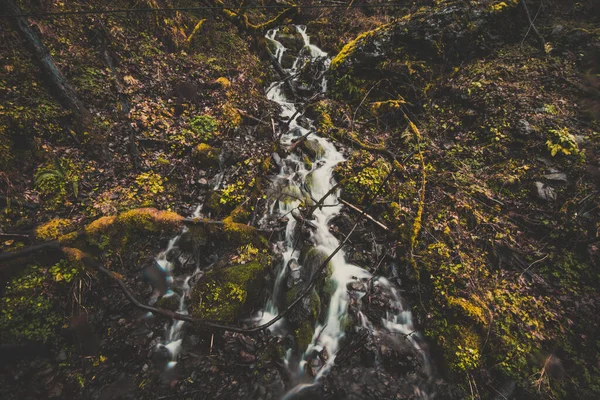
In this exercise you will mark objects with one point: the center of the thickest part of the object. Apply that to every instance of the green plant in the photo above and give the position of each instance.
(150, 182)
(27, 312)
(562, 142)
(53, 181)
(201, 128)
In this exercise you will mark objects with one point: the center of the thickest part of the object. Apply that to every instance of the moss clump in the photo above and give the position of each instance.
(231, 116)
(304, 334)
(27, 310)
(240, 234)
(362, 183)
(202, 128)
(223, 82)
(150, 182)
(207, 155)
(119, 230)
(53, 229)
(227, 292)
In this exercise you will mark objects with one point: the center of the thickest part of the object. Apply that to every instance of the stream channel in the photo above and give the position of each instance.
(301, 180)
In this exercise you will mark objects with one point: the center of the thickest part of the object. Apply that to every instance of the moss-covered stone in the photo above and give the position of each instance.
(226, 293)
(207, 155)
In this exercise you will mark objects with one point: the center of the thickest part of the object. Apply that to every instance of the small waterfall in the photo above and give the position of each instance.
(293, 178)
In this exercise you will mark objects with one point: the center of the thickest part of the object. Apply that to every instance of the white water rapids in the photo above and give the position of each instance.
(307, 183)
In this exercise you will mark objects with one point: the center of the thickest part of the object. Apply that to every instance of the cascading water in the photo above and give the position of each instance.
(297, 182)
(294, 175)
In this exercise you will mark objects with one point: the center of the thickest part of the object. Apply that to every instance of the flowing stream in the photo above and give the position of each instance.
(313, 183)
(298, 181)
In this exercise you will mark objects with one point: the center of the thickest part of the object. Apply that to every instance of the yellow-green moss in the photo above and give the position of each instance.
(304, 334)
(106, 230)
(207, 155)
(223, 82)
(53, 229)
(240, 233)
(226, 292)
(27, 311)
(352, 46)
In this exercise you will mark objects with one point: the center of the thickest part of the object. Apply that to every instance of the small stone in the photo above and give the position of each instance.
(557, 30)
(203, 182)
(62, 356)
(145, 367)
(544, 192)
(560, 177)
(276, 159)
(524, 128)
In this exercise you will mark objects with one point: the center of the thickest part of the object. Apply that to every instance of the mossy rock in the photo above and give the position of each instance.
(309, 309)
(169, 301)
(228, 293)
(207, 155)
(303, 335)
(312, 148)
(311, 259)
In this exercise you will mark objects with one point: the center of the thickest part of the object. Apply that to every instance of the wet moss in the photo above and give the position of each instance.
(226, 293)
(303, 335)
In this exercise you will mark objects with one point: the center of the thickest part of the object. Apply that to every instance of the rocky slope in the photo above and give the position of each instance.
(488, 130)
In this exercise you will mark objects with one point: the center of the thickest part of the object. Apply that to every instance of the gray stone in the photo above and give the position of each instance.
(203, 182)
(544, 192)
(62, 356)
(524, 128)
(557, 30)
(560, 177)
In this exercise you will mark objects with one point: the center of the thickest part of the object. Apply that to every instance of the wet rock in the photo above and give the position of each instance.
(287, 60)
(62, 356)
(291, 39)
(543, 192)
(557, 30)
(276, 159)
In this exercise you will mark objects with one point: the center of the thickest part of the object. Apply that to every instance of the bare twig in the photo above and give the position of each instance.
(353, 207)
(531, 25)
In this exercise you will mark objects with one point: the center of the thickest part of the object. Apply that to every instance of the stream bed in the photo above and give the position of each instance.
(341, 299)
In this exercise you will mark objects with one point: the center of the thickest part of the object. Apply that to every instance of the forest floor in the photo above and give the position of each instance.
(487, 127)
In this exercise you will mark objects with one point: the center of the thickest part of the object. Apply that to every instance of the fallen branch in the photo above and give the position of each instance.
(532, 26)
(367, 216)
(298, 142)
(13, 255)
(252, 117)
